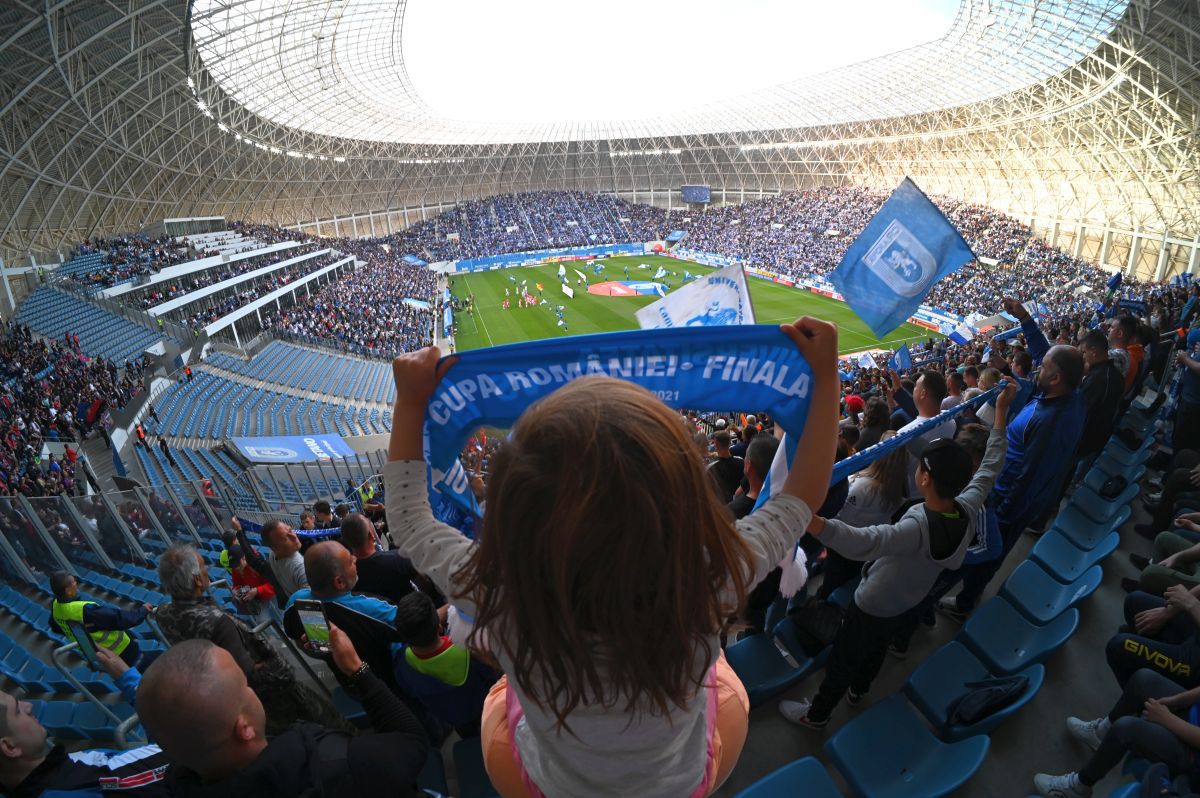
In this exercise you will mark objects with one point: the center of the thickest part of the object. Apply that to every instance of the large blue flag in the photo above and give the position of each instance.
(907, 247)
(698, 368)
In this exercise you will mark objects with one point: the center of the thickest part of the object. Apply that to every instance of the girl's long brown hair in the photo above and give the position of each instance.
(890, 472)
(607, 562)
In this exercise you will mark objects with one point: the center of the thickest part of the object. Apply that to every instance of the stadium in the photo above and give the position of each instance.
(254, 539)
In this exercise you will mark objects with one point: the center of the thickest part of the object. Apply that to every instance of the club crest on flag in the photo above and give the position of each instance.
(901, 261)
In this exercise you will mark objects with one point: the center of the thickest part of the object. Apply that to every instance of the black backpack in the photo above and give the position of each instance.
(986, 697)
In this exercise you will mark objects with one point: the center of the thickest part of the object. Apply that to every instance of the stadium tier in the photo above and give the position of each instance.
(794, 423)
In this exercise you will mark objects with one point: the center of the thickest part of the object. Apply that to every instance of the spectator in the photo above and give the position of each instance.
(725, 469)
(1173, 562)
(196, 702)
(1148, 721)
(368, 621)
(1102, 388)
(1122, 337)
(954, 389)
(386, 574)
(105, 625)
(284, 559)
(927, 396)
(193, 614)
(875, 422)
(759, 455)
(253, 592)
(1187, 413)
(908, 557)
(1042, 440)
(690, 580)
(31, 766)
(444, 677)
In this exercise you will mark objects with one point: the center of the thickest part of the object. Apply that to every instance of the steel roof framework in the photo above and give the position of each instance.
(110, 119)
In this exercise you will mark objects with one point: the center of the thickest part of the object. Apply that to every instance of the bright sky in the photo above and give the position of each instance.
(525, 60)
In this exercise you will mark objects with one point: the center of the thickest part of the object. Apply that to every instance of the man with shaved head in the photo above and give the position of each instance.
(196, 703)
(1042, 440)
(367, 620)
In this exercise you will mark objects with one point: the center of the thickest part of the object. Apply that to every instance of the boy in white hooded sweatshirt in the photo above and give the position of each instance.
(905, 560)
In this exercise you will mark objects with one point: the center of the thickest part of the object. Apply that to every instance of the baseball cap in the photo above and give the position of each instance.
(949, 464)
(855, 403)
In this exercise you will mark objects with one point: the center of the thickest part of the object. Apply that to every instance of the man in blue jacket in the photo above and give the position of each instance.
(1042, 440)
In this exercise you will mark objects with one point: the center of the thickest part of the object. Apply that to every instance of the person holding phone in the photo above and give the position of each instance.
(196, 703)
(91, 624)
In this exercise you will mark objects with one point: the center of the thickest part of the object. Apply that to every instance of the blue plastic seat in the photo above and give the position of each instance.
(1102, 510)
(1007, 643)
(55, 716)
(888, 752)
(804, 777)
(763, 668)
(1127, 791)
(473, 781)
(88, 722)
(1065, 561)
(1096, 477)
(1124, 457)
(1083, 530)
(943, 677)
(1040, 597)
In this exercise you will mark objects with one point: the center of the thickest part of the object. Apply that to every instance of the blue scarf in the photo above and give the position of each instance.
(698, 368)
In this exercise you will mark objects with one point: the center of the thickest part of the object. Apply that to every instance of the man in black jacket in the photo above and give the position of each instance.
(196, 703)
(1102, 387)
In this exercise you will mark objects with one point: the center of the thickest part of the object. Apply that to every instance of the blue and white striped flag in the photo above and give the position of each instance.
(963, 334)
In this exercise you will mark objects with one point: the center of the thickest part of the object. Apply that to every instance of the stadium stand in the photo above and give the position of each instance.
(52, 312)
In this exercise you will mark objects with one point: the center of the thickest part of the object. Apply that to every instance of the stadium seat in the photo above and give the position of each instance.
(1007, 643)
(1040, 597)
(804, 777)
(433, 775)
(888, 752)
(1127, 791)
(1082, 529)
(764, 668)
(1101, 510)
(1065, 561)
(943, 677)
(473, 781)
(1096, 477)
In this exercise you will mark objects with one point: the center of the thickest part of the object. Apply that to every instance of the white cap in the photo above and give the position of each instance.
(720, 423)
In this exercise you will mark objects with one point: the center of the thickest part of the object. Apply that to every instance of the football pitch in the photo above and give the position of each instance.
(491, 324)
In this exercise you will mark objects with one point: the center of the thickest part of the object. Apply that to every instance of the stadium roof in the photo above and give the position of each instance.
(345, 68)
(117, 114)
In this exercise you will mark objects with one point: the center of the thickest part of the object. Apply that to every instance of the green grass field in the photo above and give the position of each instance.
(587, 313)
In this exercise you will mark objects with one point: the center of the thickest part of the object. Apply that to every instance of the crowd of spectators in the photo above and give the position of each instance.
(127, 256)
(162, 292)
(51, 391)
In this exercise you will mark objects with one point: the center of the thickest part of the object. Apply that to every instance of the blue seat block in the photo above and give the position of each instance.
(88, 722)
(1121, 456)
(803, 777)
(1040, 597)
(55, 716)
(1007, 643)
(1065, 561)
(763, 668)
(943, 677)
(473, 781)
(1085, 532)
(888, 752)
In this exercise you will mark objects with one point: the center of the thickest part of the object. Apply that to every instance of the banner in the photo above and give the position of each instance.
(695, 368)
(718, 299)
(568, 290)
(293, 448)
(582, 276)
(902, 360)
(906, 248)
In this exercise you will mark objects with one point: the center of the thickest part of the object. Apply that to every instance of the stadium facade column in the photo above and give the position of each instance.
(1080, 231)
(8, 296)
(1135, 249)
(1194, 259)
(1164, 251)
(1106, 245)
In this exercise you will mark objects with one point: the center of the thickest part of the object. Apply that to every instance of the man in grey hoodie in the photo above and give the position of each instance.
(906, 558)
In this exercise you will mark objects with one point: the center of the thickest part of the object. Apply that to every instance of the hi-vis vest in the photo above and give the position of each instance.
(114, 640)
(365, 494)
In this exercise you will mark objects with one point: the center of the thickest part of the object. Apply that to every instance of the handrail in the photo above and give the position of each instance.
(122, 726)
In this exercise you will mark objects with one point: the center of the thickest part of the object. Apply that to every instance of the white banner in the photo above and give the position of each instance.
(719, 299)
(582, 276)
(568, 290)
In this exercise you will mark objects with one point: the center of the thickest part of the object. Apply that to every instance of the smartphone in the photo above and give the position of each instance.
(316, 625)
(87, 647)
